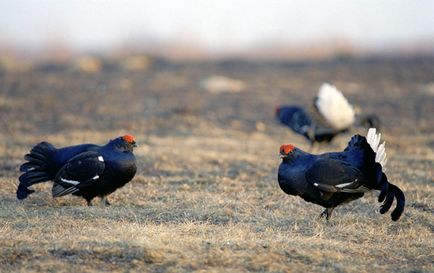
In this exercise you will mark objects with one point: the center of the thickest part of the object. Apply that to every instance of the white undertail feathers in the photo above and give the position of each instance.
(380, 149)
(334, 107)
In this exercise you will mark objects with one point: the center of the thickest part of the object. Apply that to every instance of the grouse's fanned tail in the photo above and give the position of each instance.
(371, 148)
(36, 169)
(334, 107)
(389, 191)
(379, 149)
(374, 150)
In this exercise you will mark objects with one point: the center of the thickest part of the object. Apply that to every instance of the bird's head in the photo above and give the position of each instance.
(125, 143)
(130, 140)
(286, 150)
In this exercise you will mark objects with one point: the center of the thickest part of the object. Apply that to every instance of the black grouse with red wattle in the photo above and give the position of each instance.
(85, 170)
(332, 179)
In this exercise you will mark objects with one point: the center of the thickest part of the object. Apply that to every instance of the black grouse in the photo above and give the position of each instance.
(86, 170)
(330, 115)
(332, 179)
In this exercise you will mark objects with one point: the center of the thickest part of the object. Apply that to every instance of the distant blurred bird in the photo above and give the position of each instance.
(332, 179)
(86, 170)
(330, 115)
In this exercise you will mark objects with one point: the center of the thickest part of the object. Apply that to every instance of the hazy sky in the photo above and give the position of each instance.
(218, 25)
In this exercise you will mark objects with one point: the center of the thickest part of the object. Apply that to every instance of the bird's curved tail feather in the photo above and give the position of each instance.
(36, 169)
(388, 193)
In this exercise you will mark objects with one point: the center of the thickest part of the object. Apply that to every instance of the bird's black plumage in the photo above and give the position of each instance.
(332, 179)
(304, 123)
(85, 170)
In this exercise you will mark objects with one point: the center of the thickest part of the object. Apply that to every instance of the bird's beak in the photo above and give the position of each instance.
(282, 155)
(134, 144)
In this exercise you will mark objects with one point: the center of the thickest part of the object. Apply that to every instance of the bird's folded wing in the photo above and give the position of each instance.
(331, 175)
(80, 171)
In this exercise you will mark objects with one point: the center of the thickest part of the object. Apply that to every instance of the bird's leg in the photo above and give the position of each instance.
(105, 201)
(89, 202)
(327, 213)
(324, 213)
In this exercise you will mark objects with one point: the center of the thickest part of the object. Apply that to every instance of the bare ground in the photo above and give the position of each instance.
(206, 196)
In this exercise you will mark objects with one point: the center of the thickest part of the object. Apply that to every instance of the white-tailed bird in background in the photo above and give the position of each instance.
(330, 115)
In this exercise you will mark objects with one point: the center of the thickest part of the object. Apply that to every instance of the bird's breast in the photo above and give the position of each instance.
(121, 167)
(291, 179)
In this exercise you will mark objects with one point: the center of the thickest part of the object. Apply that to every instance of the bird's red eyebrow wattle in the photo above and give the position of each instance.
(129, 138)
(286, 148)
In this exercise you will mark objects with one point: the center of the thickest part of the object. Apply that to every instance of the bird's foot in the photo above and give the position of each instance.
(89, 203)
(105, 201)
(327, 213)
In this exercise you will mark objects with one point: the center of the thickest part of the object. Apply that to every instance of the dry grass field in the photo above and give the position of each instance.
(206, 198)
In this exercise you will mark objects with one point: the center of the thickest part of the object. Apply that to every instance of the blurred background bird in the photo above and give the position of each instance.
(332, 179)
(86, 170)
(329, 115)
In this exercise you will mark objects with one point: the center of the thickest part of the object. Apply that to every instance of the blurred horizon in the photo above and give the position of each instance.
(212, 29)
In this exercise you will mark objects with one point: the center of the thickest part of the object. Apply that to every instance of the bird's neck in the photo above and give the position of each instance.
(116, 145)
(297, 156)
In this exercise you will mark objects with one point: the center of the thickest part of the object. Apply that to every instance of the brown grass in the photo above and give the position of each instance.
(206, 198)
